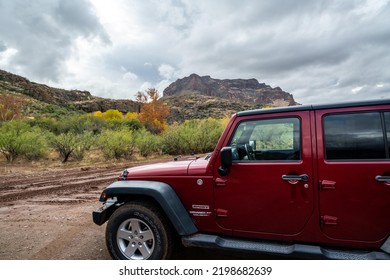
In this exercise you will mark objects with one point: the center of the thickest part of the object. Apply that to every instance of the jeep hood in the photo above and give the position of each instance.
(172, 168)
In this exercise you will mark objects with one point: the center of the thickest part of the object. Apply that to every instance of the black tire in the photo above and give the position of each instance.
(137, 231)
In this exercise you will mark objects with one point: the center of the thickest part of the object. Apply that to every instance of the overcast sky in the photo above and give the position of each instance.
(318, 50)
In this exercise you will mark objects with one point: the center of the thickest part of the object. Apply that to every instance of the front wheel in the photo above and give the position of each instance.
(137, 231)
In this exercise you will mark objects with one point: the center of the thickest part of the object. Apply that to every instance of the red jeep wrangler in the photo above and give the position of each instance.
(312, 181)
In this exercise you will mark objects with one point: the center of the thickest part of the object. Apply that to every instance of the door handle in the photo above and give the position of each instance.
(303, 177)
(385, 179)
(220, 182)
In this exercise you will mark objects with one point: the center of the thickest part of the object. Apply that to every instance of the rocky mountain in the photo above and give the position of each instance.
(81, 100)
(245, 91)
(188, 98)
(195, 106)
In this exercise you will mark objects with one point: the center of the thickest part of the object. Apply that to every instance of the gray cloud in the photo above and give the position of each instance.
(325, 50)
(289, 43)
(44, 32)
(3, 47)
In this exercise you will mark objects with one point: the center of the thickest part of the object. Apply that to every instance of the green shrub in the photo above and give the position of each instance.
(206, 135)
(117, 144)
(120, 124)
(48, 124)
(85, 123)
(35, 144)
(193, 136)
(85, 142)
(146, 142)
(174, 142)
(17, 138)
(72, 145)
(79, 124)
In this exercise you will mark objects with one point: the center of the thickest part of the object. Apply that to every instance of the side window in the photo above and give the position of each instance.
(354, 136)
(387, 124)
(270, 139)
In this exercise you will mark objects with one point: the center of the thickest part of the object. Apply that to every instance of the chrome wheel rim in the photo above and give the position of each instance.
(135, 239)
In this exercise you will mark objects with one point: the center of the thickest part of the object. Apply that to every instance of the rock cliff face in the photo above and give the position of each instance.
(82, 100)
(249, 91)
(195, 106)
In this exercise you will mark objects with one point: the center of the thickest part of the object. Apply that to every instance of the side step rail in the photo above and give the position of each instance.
(290, 250)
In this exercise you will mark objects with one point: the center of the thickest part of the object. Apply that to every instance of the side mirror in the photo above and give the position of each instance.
(226, 161)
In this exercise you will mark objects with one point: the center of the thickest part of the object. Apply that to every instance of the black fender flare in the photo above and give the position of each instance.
(163, 194)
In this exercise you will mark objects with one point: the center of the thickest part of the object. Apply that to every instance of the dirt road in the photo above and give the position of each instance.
(47, 215)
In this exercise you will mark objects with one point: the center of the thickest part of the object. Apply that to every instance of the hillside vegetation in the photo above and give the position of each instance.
(72, 138)
(37, 121)
(111, 133)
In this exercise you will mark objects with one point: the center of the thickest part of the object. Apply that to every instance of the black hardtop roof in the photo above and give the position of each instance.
(315, 107)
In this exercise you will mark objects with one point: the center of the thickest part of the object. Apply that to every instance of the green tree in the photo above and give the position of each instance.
(17, 138)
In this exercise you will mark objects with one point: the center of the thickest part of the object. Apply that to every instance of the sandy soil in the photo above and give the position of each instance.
(46, 214)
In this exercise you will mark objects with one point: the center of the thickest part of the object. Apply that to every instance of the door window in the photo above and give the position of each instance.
(387, 126)
(357, 136)
(271, 139)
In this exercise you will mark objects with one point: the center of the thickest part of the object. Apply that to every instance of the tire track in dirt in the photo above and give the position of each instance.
(47, 214)
(56, 188)
(21, 186)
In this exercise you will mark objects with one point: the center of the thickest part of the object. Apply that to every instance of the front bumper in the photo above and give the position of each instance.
(103, 213)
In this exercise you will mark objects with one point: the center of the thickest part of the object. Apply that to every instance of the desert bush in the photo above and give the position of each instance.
(147, 143)
(193, 136)
(117, 144)
(73, 145)
(36, 144)
(17, 138)
(86, 123)
(79, 124)
(206, 134)
(57, 112)
(48, 124)
(120, 124)
(172, 141)
(85, 142)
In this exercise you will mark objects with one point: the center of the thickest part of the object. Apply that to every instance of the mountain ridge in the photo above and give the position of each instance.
(243, 90)
(191, 97)
(197, 97)
(79, 99)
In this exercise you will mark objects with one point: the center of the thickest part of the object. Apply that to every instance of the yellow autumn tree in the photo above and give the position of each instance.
(98, 114)
(154, 112)
(131, 116)
(110, 114)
